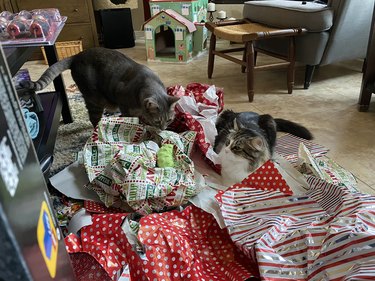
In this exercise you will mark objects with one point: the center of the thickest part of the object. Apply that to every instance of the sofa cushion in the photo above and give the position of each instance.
(314, 17)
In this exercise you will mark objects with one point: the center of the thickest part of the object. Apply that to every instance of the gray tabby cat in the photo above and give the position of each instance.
(109, 79)
(246, 140)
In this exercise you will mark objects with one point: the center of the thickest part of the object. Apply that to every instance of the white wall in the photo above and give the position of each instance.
(234, 11)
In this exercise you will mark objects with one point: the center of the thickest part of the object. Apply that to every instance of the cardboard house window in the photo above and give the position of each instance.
(165, 42)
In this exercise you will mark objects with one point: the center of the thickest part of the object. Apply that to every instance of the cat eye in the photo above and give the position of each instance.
(236, 148)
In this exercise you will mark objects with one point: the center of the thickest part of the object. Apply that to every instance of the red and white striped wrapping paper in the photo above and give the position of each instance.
(287, 146)
(328, 234)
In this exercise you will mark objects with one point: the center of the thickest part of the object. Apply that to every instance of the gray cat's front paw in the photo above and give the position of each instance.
(152, 130)
(28, 85)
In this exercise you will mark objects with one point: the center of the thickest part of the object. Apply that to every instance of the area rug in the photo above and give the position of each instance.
(71, 137)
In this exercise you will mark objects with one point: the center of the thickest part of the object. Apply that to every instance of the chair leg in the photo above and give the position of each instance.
(255, 57)
(250, 69)
(309, 72)
(211, 55)
(364, 65)
(243, 68)
(291, 59)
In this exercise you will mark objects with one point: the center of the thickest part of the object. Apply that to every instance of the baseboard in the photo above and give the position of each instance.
(139, 35)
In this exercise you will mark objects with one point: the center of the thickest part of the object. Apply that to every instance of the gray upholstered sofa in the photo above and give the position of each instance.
(337, 31)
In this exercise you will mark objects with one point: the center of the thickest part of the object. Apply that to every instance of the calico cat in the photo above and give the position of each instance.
(109, 79)
(246, 140)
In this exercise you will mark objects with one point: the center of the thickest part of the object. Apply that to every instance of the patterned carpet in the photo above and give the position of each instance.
(71, 137)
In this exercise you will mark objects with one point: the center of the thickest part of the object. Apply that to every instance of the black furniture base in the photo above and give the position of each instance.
(117, 28)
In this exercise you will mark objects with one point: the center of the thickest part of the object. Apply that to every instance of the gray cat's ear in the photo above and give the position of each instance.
(173, 99)
(257, 143)
(151, 105)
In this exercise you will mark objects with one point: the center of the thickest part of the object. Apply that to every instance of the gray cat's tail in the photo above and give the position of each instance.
(295, 129)
(47, 77)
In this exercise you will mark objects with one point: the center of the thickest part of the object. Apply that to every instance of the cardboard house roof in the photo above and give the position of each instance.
(152, 1)
(181, 19)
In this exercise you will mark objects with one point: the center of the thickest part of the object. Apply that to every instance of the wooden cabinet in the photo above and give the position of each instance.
(80, 24)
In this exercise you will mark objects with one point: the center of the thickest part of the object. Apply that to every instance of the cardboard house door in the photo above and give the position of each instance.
(165, 46)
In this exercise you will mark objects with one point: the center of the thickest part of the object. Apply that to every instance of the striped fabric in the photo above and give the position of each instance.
(328, 234)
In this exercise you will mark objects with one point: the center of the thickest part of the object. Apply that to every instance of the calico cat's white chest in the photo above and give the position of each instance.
(234, 168)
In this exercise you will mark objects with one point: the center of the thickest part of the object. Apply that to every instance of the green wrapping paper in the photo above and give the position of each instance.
(120, 159)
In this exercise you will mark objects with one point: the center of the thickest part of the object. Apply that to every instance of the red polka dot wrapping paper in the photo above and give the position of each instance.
(86, 268)
(187, 121)
(267, 177)
(189, 245)
(95, 207)
(106, 242)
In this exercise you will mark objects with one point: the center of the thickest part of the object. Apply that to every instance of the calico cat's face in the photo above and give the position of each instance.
(159, 113)
(246, 144)
(242, 153)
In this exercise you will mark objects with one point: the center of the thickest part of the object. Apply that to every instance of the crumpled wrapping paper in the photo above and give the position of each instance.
(121, 166)
(186, 245)
(197, 110)
(288, 147)
(325, 168)
(103, 240)
(189, 245)
(287, 226)
(326, 234)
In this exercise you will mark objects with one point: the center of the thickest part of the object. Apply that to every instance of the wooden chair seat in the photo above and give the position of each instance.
(246, 32)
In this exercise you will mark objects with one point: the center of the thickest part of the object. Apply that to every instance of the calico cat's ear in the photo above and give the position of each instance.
(172, 99)
(257, 143)
(236, 125)
(151, 105)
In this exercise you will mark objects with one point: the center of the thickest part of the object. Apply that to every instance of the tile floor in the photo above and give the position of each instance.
(328, 108)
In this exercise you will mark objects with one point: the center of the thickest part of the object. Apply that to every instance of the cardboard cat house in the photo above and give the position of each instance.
(178, 34)
(193, 10)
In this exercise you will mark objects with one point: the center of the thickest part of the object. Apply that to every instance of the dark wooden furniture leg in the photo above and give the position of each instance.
(368, 77)
(243, 67)
(309, 72)
(250, 69)
(211, 55)
(58, 82)
(291, 59)
(364, 99)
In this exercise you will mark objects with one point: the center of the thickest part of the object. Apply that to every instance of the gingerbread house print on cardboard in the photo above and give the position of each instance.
(193, 10)
(173, 36)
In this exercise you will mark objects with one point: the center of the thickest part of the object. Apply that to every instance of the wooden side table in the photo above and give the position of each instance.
(246, 32)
